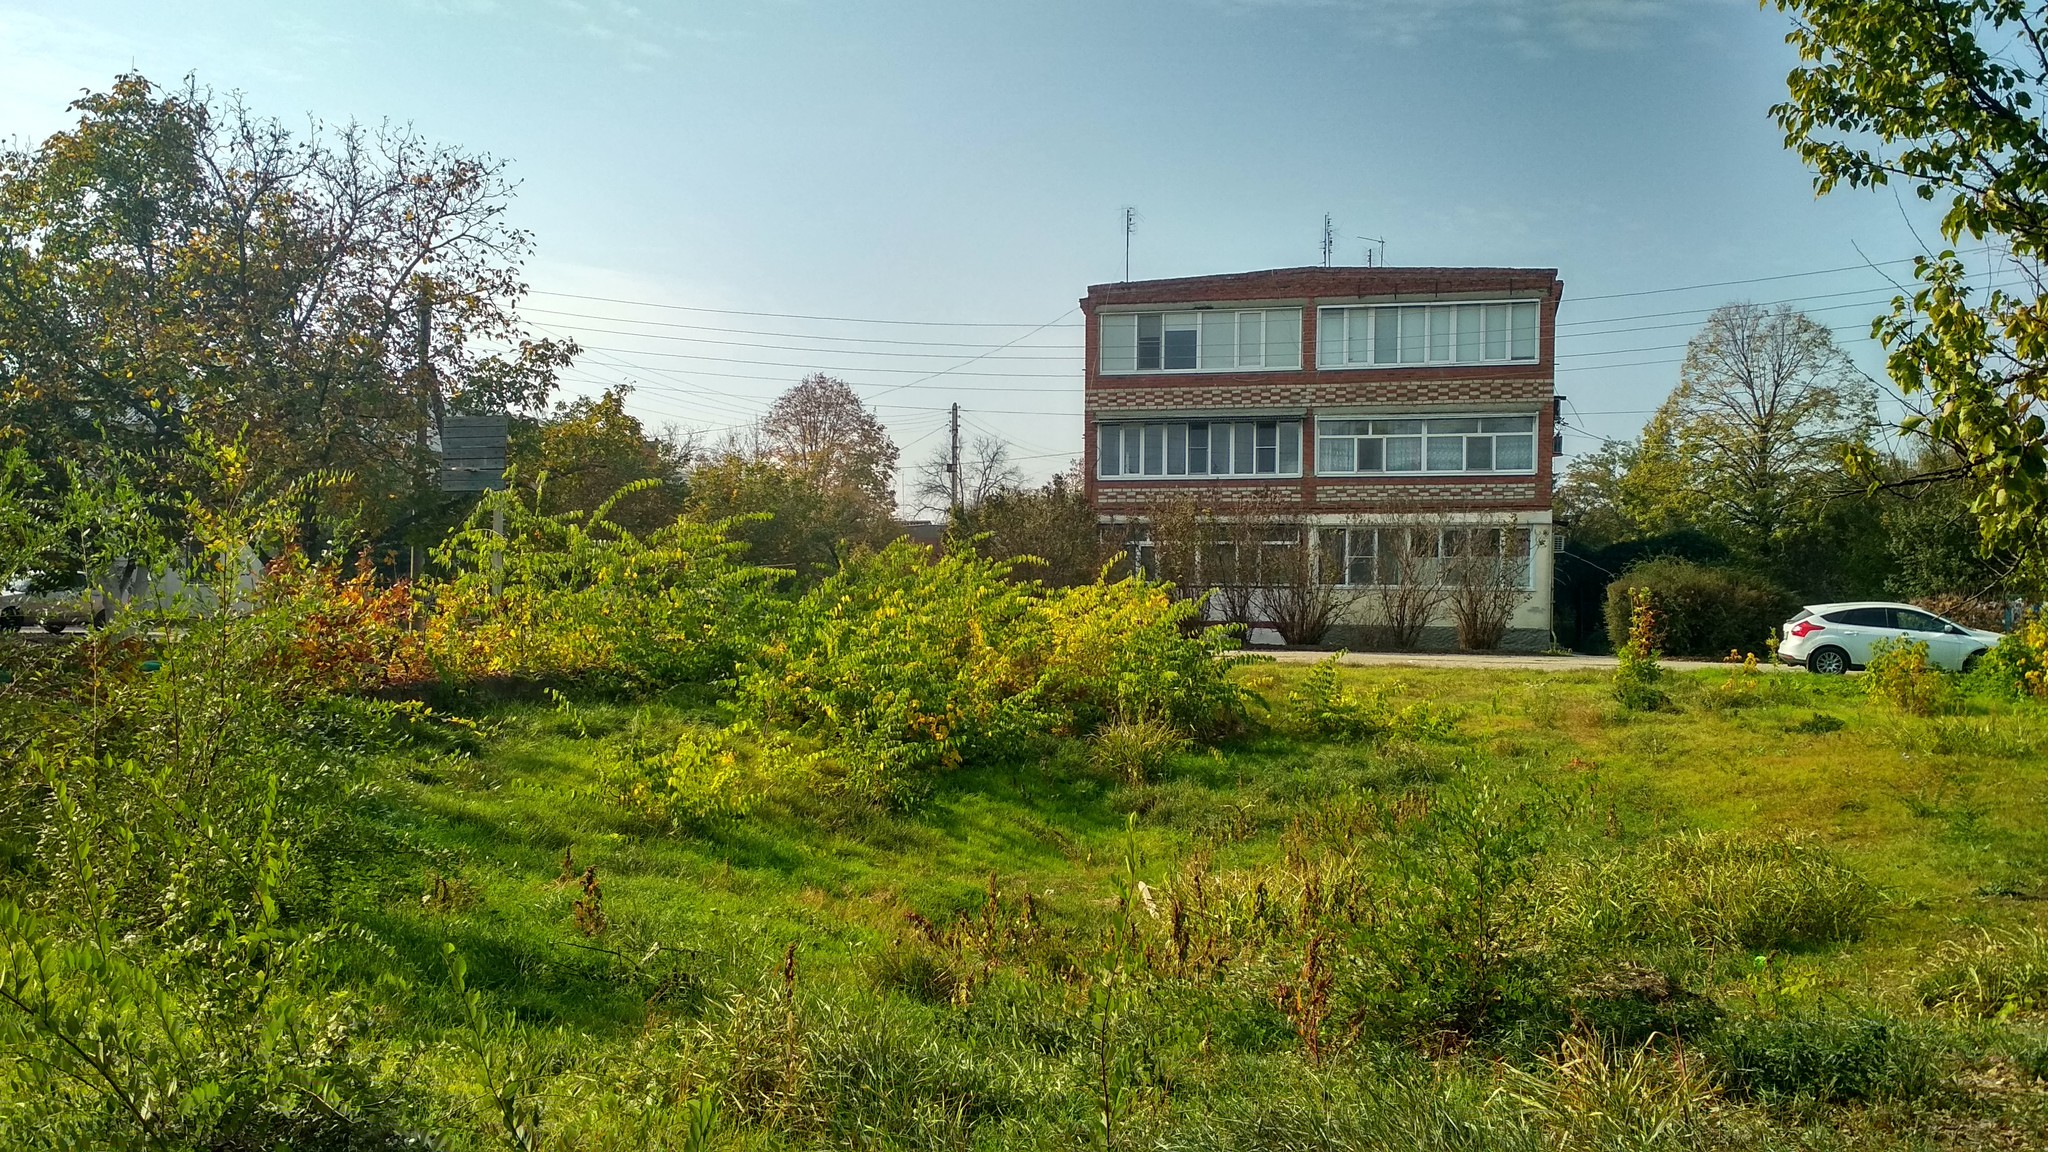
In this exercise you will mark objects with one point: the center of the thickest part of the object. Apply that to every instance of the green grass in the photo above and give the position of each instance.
(929, 1007)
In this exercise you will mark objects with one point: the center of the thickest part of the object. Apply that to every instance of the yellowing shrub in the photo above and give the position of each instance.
(2018, 664)
(1901, 674)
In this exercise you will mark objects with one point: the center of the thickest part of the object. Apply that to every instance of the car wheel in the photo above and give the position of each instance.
(1828, 662)
(10, 620)
(53, 626)
(1970, 661)
(99, 618)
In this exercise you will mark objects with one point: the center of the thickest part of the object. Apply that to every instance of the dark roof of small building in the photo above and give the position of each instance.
(1320, 281)
(927, 532)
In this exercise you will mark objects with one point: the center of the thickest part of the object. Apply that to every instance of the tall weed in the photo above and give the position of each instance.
(1637, 674)
(1711, 891)
(1322, 707)
(1586, 1094)
(1998, 972)
(575, 595)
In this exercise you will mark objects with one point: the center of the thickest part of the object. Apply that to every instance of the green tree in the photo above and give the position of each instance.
(175, 268)
(1628, 489)
(821, 432)
(1946, 97)
(1766, 407)
(1747, 455)
(1932, 538)
(589, 448)
(823, 469)
(1053, 524)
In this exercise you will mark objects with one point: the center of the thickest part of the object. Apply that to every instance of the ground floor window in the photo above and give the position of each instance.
(1385, 556)
(1276, 554)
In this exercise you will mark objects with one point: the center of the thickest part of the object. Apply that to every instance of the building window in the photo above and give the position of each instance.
(1384, 557)
(1397, 335)
(1207, 340)
(1432, 444)
(1211, 448)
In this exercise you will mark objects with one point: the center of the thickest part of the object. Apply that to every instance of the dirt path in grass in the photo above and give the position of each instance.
(1526, 661)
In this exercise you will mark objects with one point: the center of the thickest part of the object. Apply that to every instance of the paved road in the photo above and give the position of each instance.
(1574, 663)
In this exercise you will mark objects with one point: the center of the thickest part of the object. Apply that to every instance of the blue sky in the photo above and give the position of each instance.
(964, 166)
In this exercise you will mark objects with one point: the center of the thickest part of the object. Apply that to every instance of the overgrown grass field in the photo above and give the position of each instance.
(601, 841)
(1526, 918)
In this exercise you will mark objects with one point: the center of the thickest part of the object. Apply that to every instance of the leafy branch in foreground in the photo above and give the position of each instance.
(1946, 98)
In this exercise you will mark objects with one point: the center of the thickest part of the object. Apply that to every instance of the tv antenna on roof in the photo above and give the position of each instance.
(1130, 226)
(1369, 242)
(1329, 239)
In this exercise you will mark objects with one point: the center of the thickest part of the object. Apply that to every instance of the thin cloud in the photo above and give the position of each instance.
(1532, 25)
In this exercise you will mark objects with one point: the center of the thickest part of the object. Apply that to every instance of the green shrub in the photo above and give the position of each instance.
(2015, 736)
(698, 773)
(2030, 1055)
(918, 972)
(1451, 941)
(1702, 612)
(1594, 1093)
(1900, 674)
(1630, 1004)
(576, 596)
(1817, 724)
(1387, 1103)
(1821, 1056)
(902, 665)
(1997, 972)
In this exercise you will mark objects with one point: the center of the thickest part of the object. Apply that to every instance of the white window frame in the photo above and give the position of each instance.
(1245, 437)
(1208, 358)
(1349, 337)
(1423, 439)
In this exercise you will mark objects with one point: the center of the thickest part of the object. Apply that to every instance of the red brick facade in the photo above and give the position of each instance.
(1419, 390)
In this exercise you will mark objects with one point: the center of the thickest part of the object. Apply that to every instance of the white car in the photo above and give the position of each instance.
(53, 602)
(1833, 638)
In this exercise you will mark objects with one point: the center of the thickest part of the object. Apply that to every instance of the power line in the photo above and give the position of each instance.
(794, 315)
(1863, 330)
(1074, 355)
(992, 349)
(956, 368)
(1867, 266)
(1884, 299)
(812, 367)
(1864, 267)
(767, 332)
(701, 396)
(1071, 353)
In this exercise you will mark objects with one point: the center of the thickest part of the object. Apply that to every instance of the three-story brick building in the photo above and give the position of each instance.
(1348, 407)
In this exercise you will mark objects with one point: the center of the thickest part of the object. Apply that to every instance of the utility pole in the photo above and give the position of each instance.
(1130, 226)
(1369, 242)
(953, 462)
(1329, 239)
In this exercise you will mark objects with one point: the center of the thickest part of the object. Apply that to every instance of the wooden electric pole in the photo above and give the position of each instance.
(953, 462)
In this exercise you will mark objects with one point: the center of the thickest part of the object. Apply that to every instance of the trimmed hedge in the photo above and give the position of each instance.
(1706, 612)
